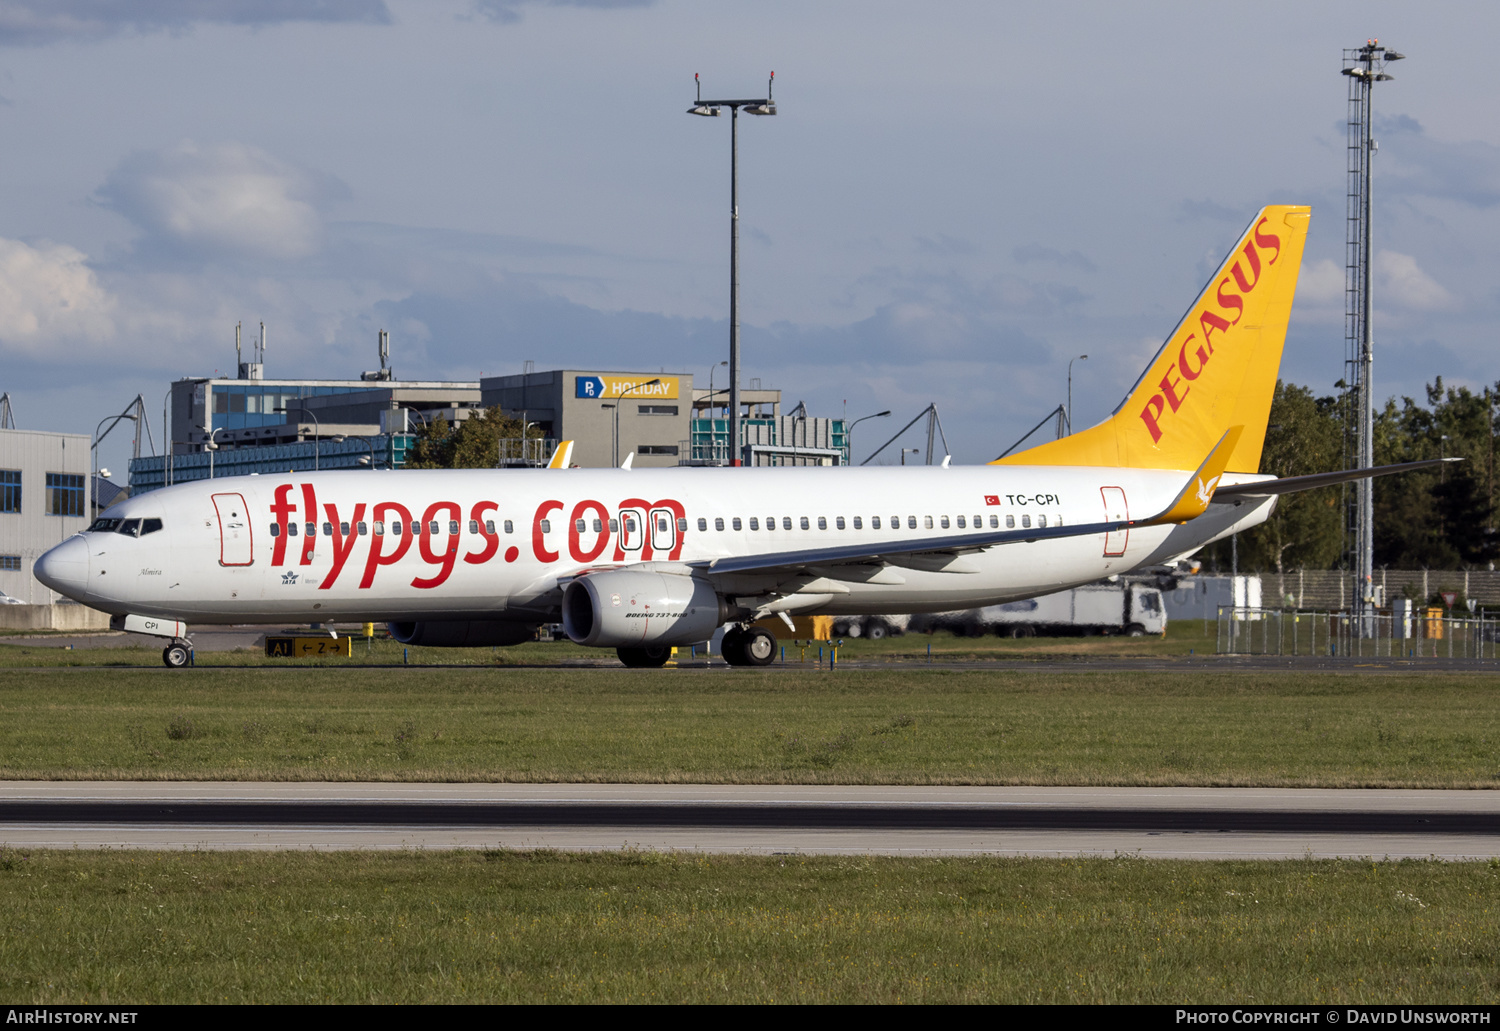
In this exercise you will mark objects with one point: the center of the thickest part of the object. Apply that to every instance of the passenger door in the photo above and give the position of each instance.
(235, 545)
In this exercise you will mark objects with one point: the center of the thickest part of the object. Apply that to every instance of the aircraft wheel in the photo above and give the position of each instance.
(759, 646)
(876, 630)
(175, 655)
(732, 647)
(651, 656)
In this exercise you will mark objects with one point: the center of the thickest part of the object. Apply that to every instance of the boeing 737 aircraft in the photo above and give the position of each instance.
(641, 560)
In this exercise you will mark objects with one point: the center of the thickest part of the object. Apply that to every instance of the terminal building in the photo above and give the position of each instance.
(45, 497)
(250, 424)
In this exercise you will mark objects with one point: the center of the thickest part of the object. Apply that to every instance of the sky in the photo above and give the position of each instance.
(953, 201)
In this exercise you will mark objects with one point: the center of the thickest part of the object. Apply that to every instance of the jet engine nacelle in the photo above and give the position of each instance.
(461, 634)
(624, 609)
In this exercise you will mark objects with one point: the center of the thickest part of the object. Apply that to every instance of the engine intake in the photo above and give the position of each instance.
(462, 634)
(625, 609)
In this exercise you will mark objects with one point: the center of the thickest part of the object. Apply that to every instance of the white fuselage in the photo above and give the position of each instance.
(495, 545)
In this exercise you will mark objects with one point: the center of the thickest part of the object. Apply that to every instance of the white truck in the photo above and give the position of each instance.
(1123, 607)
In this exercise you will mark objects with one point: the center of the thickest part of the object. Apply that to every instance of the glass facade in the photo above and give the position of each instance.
(65, 495)
(10, 490)
(389, 451)
(250, 405)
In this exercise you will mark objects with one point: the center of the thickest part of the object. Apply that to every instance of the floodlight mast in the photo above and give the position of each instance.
(710, 109)
(1364, 66)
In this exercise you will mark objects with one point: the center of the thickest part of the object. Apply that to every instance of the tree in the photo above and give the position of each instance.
(472, 443)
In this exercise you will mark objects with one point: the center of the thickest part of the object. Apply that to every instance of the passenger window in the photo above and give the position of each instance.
(703, 524)
(805, 524)
(396, 526)
(545, 525)
(291, 529)
(978, 522)
(614, 526)
(754, 523)
(682, 525)
(1026, 522)
(489, 527)
(859, 523)
(433, 529)
(895, 522)
(662, 526)
(839, 523)
(150, 526)
(343, 529)
(379, 528)
(718, 522)
(995, 522)
(510, 527)
(1010, 522)
(364, 529)
(927, 522)
(629, 524)
(473, 525)
(944, 522)
(453, 527)
(581, 525)
(275, 529)
(874, 523)
(736, 522)
(416, 528)
(961, 525)
(911, 522)
(311, 529)
(1041, 520)
(598, 526)
(327, 529)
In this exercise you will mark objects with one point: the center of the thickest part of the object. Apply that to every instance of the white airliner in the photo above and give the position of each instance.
(641, 560)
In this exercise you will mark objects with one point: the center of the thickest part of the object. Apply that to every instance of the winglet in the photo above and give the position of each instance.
(1199, 490)
(630, 458)
(563, 456)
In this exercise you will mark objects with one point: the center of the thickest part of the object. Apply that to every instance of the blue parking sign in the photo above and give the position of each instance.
(589, 386)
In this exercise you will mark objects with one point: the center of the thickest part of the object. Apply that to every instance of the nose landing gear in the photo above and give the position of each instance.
(177, 654)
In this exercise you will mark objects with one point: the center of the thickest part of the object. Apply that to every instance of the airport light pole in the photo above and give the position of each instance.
(849, 431)
(211, 447)
(710, 109)
(909, 451)
(1069, 417)
(368, 443)
(317, 430)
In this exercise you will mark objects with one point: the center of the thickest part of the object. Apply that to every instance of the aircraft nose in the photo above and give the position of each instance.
(65, 568)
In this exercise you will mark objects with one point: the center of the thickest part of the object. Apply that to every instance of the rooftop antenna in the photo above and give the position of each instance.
(262, 342)
(239, 361)
(7, 417)
(385, 350)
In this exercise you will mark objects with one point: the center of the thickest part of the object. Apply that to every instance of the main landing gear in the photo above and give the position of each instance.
(650, 656)
(749, 646)
(177, 654)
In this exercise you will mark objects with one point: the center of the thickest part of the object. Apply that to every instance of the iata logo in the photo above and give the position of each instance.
(1192, 360)
(289, 577)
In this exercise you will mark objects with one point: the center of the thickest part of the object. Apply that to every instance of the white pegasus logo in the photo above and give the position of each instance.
(1206, 490)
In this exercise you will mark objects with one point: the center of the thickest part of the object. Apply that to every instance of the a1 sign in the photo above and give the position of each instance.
(1449, 597)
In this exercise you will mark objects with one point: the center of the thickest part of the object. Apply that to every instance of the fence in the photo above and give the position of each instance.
(1423, 633)
(1333, 589)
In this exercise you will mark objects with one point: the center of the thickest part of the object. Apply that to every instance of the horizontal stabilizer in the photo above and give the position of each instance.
(1292, 484)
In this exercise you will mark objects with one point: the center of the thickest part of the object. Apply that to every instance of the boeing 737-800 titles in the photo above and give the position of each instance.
(641, 560)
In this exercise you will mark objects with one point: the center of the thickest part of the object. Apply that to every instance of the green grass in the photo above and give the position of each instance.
(499, 926)
(1194, 727)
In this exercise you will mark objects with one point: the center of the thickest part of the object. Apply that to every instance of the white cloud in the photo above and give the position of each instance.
(1321, 283)
(35, 22)
(49, 296)
(1401, 283)
(226, 199)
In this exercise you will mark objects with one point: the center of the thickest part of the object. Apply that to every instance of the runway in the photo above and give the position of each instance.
(1191, 823)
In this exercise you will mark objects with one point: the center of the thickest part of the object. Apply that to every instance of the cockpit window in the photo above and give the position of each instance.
(104, 525)
(129, 527)
(150, 526)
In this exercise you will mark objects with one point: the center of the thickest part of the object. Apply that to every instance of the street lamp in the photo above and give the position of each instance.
(617, 406)
(317, 429)
(211, 447)
(1080, 358)
(849, 431)
(368, 443)
(711, 370)
(909, 451)
(710, 109)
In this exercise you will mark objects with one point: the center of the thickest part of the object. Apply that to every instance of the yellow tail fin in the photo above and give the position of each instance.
(1216, 371)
